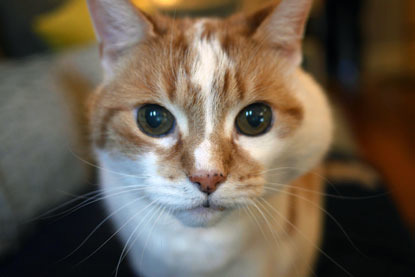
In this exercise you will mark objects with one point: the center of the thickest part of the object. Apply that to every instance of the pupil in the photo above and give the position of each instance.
(255, 117)
(154, 118)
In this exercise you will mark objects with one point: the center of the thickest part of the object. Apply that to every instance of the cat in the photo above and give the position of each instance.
(208, 136)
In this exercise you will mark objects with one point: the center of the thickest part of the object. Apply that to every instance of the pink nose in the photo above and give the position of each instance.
(207, 182)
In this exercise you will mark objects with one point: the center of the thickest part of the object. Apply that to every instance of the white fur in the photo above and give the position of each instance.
(203, 156)
(183, 250)
(204, 69)
(210, 61)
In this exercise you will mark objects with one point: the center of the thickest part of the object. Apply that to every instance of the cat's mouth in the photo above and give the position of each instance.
(208, 205)
(201, 214)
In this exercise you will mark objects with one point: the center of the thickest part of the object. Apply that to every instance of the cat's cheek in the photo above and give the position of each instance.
(174, 195)
(262, 149)
(278, 157)
(233, 194)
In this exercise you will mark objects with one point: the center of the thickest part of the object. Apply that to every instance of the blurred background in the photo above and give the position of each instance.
(362, 51)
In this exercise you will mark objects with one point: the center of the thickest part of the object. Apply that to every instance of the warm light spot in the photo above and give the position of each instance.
(144, 5)
(67, 25)
(70, 23)
(189, 4)
(166, 3)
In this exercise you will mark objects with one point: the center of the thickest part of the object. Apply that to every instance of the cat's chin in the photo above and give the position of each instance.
(200, 216)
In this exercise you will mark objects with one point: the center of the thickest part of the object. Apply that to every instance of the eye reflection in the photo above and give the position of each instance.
(154, 120)
(254, 120)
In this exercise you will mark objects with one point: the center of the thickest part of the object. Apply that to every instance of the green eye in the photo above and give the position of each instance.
(254, 120)
(154, 120)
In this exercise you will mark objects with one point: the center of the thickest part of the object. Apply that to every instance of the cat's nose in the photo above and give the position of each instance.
(207, 182)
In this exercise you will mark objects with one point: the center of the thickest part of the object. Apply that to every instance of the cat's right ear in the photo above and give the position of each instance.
(282, 26)
(118, 25)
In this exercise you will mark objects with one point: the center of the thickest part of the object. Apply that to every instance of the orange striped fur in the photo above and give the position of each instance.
(205, 71)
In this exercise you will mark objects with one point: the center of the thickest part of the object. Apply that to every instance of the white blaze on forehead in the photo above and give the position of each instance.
(210, 63)
(203, 156)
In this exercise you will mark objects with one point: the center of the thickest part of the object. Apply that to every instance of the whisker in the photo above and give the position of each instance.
(63, 205)
(328, 194)
(93, 200)
(97, 227)
(116, 232)
(106, 169)
(128, 247)
(282, 229)
(256, 221)
(148, 236)
(280, 168)
(330, 216)
(305, 237)
(299, 169)
(94, 193)
(266, 221)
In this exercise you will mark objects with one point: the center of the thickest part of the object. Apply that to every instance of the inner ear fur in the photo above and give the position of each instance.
(279, 24)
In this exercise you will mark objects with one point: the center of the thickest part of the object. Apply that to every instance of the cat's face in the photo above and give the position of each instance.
(197, 113)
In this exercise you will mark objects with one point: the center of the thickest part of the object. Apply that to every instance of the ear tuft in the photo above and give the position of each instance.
(283, 26)
(118, 25)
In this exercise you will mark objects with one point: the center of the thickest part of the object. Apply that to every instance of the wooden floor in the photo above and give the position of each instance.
(382, 116)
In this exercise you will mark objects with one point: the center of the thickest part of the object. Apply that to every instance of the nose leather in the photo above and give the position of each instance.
(207, 181)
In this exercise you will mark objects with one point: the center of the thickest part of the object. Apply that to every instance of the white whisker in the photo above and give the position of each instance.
(98, 226)
(330, 216)
(93, 200)
(281, 228)
(305, 237)
(108, 170)
(266, 221)
(149, 234)
(325, 194)
(116, 232)
(256, 221)
(128, 247)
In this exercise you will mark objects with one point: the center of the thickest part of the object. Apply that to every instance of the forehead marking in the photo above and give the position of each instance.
(211, 62)
(203, 156)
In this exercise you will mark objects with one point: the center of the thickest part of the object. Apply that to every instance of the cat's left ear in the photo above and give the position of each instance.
(118, 25)
(283, 26)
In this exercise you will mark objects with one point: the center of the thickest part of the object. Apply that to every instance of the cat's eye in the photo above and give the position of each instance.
(254, 120)
(154, 120)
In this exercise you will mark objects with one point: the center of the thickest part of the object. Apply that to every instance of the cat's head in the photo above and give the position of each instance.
(200, 113)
